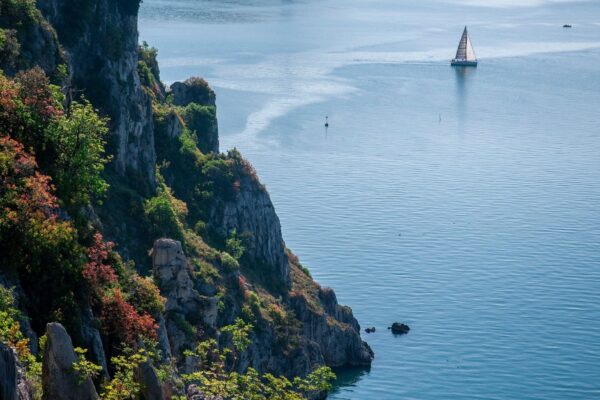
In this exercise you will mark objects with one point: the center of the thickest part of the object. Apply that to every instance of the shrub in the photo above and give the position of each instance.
(122, 321)
(228, 262)
(27, 105)
(145, 295)
(123, 385)
(234, 245)
(97, 272)
(216, 381)
(83, 368)
(165, 214)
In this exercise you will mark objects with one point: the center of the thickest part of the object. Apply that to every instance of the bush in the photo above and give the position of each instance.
(122, 321)
(97, 272)
(83, 368)
(228, 262)
(145, 295)
(164, 214)
(234, 245)
(124, 385)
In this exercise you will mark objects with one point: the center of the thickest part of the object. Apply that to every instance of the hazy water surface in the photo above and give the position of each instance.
(463, 202)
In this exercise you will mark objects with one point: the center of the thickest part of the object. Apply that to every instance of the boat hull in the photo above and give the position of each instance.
(463, 63)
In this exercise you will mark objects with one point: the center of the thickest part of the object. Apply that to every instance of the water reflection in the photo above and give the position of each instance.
(348, 377)
(463, 76)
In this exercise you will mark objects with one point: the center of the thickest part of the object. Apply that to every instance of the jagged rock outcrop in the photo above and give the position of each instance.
(200, 114)
(173, 275)
(58, 379)
(333, 328)
(151, 388)
(252, 215)
(184, 302)
(193, 90)
(90, 335)
(101, 39)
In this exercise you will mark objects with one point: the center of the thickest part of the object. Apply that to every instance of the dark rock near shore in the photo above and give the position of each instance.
(370, 330)
(399, 328)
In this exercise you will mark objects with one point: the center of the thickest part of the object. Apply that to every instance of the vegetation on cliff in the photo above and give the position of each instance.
(228, 311)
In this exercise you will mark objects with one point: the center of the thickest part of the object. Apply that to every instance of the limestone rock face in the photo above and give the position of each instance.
(101, 41)
(334, 330)
(174, 277)
(184, 302)
(163, 339)
(193, 90)
(252, 215)
(58, 380)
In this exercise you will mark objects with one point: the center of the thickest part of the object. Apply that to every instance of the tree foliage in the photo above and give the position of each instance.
(78, 140)
(35, 243)
(218, 381)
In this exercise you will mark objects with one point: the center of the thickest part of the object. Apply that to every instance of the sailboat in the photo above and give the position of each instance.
(465, 55)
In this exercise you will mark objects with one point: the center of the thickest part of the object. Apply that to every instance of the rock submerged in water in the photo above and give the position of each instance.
(399, 328)
(370, 330)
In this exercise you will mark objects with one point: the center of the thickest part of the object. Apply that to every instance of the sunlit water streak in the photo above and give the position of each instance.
(465, 203)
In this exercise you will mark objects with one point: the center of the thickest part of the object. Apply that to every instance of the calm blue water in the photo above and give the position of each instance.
(465, 203)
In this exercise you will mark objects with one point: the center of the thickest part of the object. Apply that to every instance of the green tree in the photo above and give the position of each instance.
(78, 138)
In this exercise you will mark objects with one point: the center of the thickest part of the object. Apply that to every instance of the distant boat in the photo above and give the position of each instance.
(465, 55)
(567, 26)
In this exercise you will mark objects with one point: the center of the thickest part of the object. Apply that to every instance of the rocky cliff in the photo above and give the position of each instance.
(101, 41)
(198, 223)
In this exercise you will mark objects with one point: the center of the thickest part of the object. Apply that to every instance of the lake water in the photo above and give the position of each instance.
(465, 203)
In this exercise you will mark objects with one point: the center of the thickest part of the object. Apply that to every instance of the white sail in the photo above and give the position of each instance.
(465, 48)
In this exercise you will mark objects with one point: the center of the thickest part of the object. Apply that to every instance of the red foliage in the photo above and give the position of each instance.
(97, 272)
(37, 95)
(25, 194)
(27, 105)
(243, 285)
(121, 320)
(242, 281)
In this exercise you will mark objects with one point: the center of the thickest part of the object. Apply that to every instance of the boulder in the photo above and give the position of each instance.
(174, 278)
(399, 328)
(59, 382)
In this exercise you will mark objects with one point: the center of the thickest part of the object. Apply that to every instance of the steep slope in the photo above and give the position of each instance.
(101, 39)
(196, 222)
